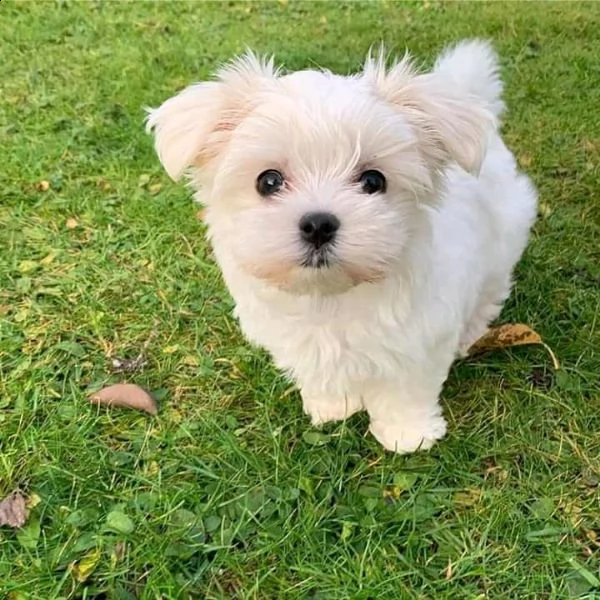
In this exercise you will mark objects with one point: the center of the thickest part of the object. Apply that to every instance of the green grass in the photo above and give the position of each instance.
(228, 493)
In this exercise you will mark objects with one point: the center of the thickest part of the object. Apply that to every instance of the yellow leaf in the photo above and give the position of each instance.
(44, 186)
(525, 160)
(33, 501)
(72, 223)
(50, 258)
(103, 185)
(191, 361)
(152, 468)
(508, 335)
(26, 266)
(468, 497)
(155, 188)
(394, 491)
(544, 209)
(21, 315)
(144, 180)
(170, 349)
(85, 567)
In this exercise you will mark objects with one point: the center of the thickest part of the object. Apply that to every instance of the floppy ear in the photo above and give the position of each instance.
(192, 127)
(451, 125)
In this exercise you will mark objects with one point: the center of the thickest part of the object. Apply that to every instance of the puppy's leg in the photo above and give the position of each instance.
(405, 413)
(322, 408)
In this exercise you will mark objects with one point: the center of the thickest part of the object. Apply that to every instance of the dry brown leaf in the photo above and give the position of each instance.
(13, 510)
(72, 223)
(43, 186)
(508, 335)
(125, 394)
(448, 571)
(200, 215)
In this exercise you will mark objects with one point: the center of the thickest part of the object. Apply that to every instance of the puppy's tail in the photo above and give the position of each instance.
(472, 65)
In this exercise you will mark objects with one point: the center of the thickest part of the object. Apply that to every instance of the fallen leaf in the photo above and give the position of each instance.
(143, 180)
(125, 394)
(103, 185)
(152, 468)
(26, 266)
(200, 214)
(544, 209)
(155, 188)
(85, 567)
(468, 497)
(508, 335)
(43, 186)
(49, 259)
(120, 549)
(448, 571)
(191, 361)
(118, 553)
(525, 160)
(72, 223)
(13, 510)
(33, 501)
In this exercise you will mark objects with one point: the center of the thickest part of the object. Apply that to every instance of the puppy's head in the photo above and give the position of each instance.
(315, 182)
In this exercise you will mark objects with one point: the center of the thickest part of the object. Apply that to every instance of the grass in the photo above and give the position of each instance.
(228, 493)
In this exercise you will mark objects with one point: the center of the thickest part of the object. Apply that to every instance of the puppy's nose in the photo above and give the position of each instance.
(319, 228)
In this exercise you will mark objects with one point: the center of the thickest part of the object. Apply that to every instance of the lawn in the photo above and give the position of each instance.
(228, 493)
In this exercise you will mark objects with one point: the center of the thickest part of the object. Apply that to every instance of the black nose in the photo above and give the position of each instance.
(319, 228)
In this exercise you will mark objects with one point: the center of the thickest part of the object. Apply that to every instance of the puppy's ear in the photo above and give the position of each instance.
(193, 126)
(451, 123)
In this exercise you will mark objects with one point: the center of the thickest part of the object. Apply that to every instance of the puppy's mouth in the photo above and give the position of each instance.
(318, 258)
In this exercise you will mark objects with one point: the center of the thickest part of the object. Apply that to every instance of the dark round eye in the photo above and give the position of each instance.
(372, 182)
(269, 182)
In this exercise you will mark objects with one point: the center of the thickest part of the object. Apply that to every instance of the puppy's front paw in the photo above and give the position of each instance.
(409, 435)
(324, 409)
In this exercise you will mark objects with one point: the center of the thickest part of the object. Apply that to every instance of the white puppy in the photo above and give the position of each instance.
(366, 226)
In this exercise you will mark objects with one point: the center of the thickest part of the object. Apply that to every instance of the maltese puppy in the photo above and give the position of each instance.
(367, 225)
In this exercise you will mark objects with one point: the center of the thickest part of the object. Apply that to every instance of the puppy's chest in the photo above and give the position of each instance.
(351, 340)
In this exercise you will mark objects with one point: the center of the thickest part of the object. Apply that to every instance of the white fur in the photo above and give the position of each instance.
(418, 272)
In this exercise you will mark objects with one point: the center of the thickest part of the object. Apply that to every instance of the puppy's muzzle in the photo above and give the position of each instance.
(318, 231)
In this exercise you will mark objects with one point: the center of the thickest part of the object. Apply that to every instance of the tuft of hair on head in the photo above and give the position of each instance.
(376, 70)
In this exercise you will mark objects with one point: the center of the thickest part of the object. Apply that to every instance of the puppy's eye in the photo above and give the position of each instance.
(269, 182)
(372, 182)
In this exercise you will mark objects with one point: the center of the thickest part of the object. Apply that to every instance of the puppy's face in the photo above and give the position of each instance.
(315, 182)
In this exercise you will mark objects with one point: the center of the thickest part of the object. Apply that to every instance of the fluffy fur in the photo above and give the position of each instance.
(416, 273)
